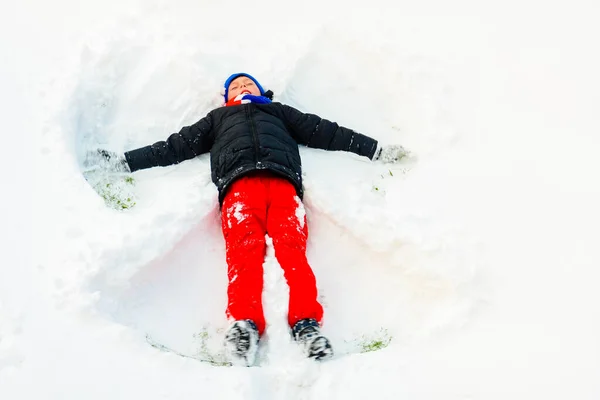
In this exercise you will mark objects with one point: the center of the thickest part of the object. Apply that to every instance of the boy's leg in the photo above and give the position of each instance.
(286, 225)
(243, 220)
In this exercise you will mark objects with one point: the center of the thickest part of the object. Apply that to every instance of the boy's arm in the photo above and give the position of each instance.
(314, 131)
(188, 143)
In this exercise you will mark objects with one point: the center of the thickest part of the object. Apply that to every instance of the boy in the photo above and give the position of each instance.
(256, 166)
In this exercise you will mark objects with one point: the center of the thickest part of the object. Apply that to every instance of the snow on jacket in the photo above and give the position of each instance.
(252, 137)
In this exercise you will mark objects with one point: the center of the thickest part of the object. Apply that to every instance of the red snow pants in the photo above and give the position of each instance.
(255, 205)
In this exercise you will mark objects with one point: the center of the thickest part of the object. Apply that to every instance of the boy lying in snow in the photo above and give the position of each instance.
(256, 166)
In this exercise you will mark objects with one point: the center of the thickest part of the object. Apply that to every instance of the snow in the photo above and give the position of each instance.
(300, 213)
(478, 256)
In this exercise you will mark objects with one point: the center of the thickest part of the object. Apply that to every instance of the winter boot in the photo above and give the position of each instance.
(316, 346)
(241, 342)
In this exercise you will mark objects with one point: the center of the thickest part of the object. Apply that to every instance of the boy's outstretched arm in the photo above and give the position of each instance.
(314, 131)
(186, 144)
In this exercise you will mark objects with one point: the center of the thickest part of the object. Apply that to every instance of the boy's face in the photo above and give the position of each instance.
(240, 85)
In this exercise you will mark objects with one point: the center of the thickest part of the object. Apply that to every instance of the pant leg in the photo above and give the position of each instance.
(286, 225)
(244, 228)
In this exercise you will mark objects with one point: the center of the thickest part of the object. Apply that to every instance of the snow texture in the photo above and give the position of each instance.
(475, 262)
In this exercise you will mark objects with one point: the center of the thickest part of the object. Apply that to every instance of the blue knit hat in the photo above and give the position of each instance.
(237, 75)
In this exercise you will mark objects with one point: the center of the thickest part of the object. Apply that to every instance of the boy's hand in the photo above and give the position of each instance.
(391, 153)
(107, 160)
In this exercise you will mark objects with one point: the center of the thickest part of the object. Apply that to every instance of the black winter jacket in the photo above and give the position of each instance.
(252, 137)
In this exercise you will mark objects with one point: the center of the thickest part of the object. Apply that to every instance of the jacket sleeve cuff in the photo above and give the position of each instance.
(377, 152)
(141, 158)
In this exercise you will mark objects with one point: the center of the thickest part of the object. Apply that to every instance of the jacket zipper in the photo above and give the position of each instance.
(254, 136)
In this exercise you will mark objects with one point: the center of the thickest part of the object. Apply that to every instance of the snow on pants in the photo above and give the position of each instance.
(254, 206)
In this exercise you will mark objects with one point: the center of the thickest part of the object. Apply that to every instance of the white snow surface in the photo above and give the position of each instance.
(478, 256)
